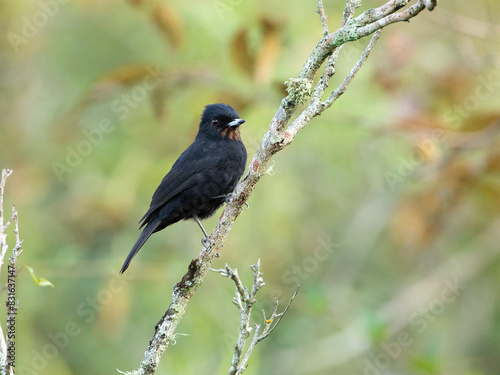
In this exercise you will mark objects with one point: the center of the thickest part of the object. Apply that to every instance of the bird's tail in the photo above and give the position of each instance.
(146, 233)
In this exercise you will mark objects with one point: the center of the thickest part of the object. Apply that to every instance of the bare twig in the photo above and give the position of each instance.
(331, 61)
(350, 7)
(5, 174)
(245, 301)
(272, 322)
(323, 17)
(343, 86)
(278, 136)
(316, 107)
(269, 326)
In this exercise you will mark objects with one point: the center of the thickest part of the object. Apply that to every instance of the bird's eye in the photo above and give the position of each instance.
(215, 122)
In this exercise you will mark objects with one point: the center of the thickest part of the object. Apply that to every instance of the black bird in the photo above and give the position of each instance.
(201, 179)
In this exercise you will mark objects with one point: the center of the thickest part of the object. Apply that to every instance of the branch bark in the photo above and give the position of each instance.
(277, 137)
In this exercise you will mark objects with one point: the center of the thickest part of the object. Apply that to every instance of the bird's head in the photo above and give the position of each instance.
(221, 120)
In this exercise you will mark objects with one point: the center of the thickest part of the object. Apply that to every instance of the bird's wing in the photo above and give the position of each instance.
(183, 175)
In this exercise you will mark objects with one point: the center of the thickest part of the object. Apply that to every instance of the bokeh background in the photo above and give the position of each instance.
(385, 209)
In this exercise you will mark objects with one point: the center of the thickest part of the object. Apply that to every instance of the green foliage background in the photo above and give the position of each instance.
(399, 182)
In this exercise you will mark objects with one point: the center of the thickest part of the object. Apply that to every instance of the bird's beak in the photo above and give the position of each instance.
(236, 122)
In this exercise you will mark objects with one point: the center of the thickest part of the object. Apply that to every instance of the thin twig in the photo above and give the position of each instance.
(366, 24)
(328, 73)
(239, 361)
(316, 107)
(268, 330)
(5, 174)
(17, 250)
(243, 362)
(392, 18)
(244, 301)
(350, 7)
(323, 17)
(343, 86)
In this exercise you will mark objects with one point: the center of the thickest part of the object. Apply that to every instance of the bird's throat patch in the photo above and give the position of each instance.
(231, 133)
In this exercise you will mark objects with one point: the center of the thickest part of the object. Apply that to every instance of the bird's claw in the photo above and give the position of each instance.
(228, 198)
(246, 204)
(204, 241)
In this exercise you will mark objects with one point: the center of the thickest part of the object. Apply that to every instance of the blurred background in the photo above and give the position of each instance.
(385, 209)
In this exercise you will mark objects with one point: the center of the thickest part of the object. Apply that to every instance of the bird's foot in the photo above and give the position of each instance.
(227, 198)
(204, 241)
